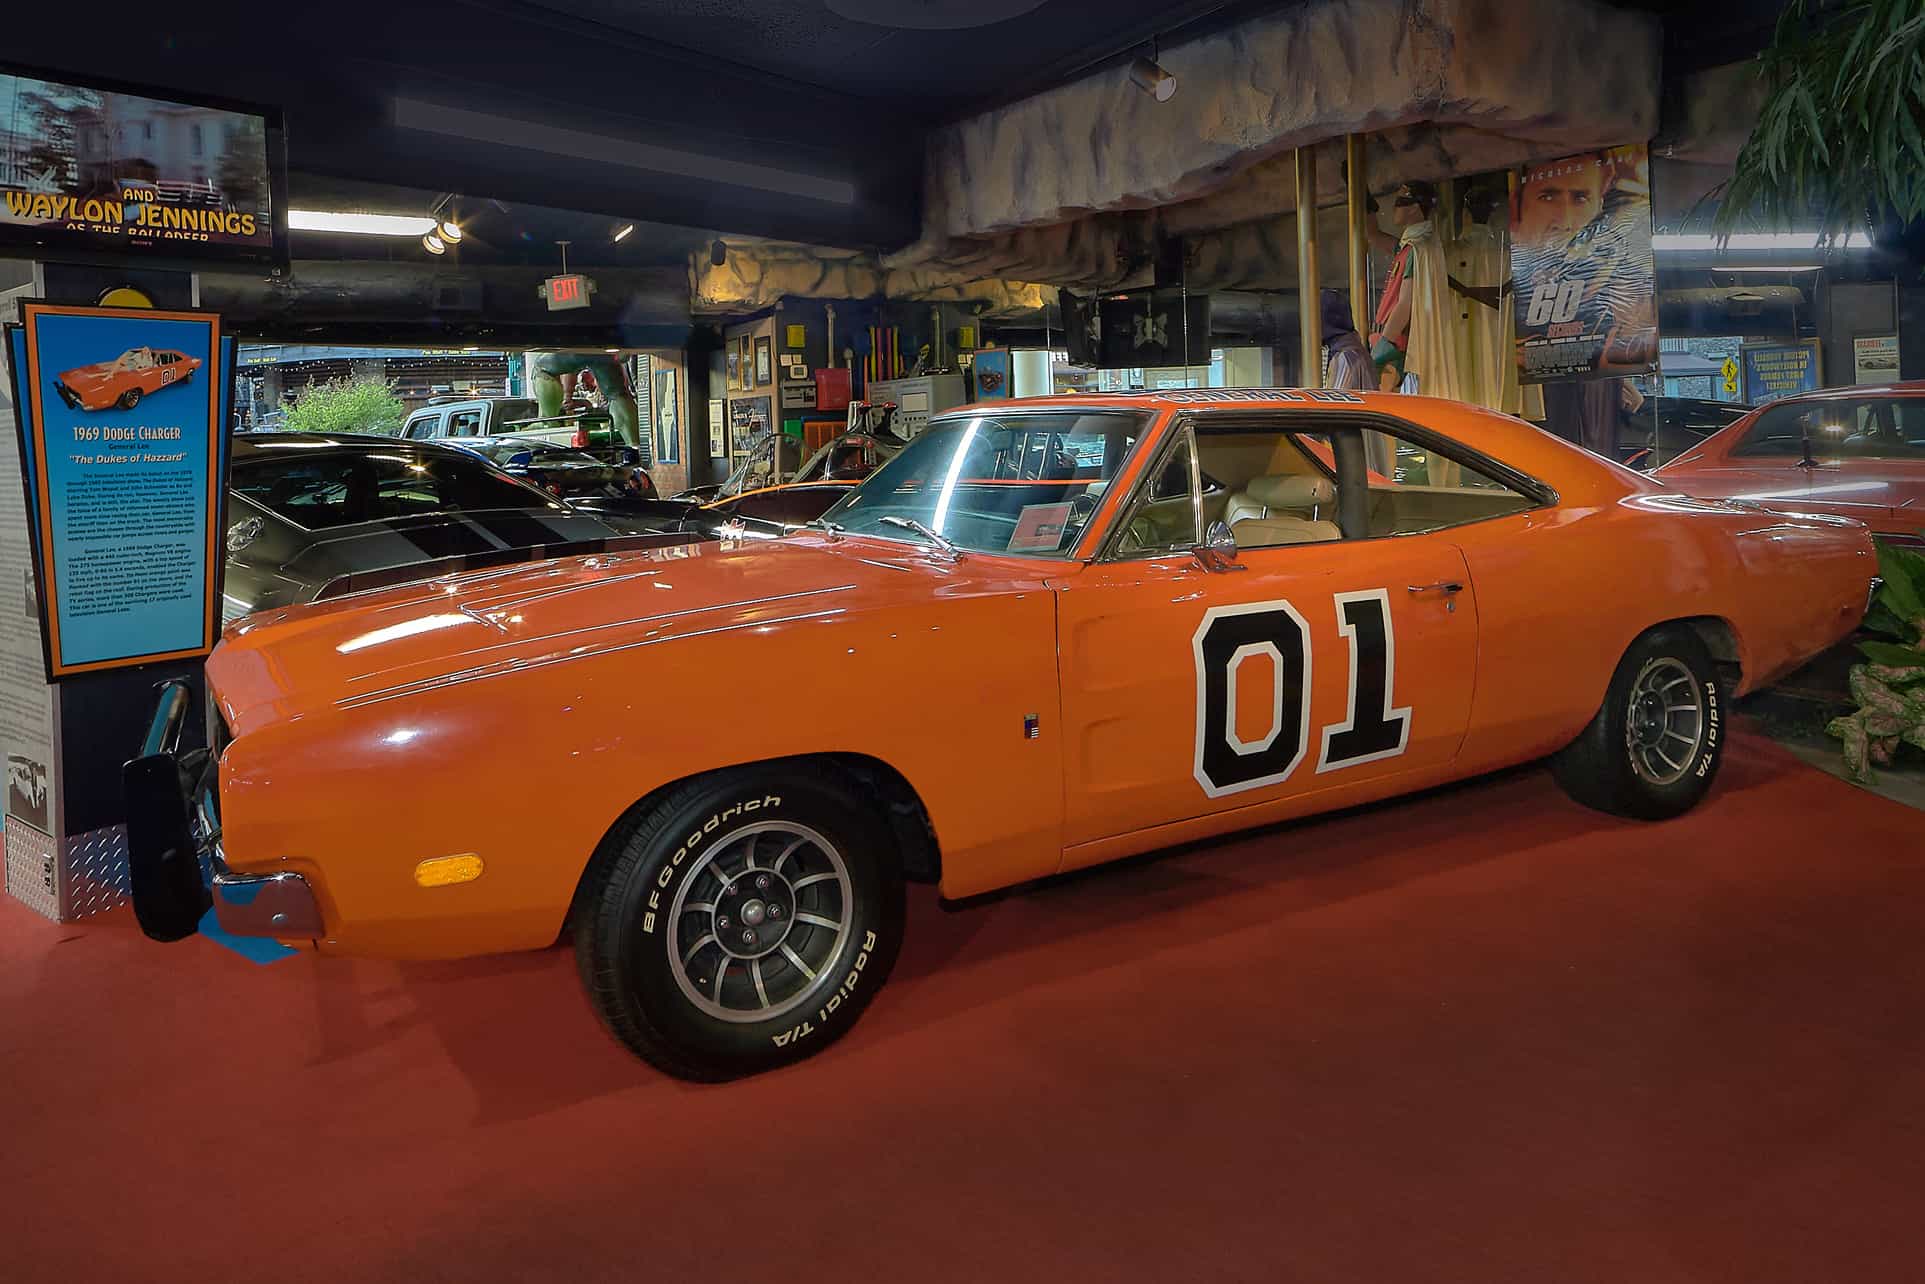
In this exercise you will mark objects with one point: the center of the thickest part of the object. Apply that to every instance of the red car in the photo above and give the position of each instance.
(124, 380)
(1856, 452)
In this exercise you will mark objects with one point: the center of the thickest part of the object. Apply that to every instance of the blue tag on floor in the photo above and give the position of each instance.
(255, 949)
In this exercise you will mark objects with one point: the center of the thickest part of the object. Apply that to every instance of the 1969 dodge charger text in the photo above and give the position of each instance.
(1102, 625)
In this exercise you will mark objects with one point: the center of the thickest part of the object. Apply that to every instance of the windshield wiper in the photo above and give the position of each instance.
(826, 524)
(929, 533)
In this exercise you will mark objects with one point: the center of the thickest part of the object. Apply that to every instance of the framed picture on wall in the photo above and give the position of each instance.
(764, 363)
(735, 367)
(718, 436)
(668, 424)
(745, 351)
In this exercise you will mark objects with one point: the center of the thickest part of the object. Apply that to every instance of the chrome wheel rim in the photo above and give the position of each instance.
(759, 922)
(1665, 721)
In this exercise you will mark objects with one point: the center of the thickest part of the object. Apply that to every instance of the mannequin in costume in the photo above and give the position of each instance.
(1480, 273)
(555, 371)
(1390, 327)
(1347, 362)
(1417, 312)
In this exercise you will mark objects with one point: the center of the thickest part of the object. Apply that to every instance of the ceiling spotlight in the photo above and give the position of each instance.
(622, 231)
(450, 231)
(1152, 79)
(718, 254)
(433, 244)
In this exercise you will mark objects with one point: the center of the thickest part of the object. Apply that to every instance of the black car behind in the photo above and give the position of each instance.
(313, 516)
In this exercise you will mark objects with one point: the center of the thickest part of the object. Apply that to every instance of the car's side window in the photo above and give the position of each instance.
(421, 427)
(464, 423)
(1163, 514)
(1424, 490)
(1302, 482)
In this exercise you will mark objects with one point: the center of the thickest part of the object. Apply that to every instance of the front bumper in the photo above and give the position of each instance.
(174, 845)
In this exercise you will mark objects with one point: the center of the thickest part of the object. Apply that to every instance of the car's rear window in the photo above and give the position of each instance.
(1862, 427)
(340, 488)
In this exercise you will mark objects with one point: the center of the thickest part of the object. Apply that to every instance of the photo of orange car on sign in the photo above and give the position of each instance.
(123, 381)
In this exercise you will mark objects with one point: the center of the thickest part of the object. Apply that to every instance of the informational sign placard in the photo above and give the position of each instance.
(121, 415)
(1582, 267)
(1875, 358)
(1774, 370)
(91, 169)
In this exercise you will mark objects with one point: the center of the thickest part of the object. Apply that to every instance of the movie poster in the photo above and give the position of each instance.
(1582, 268)
(96, 171)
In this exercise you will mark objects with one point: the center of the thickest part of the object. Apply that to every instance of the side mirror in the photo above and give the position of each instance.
(1218, 551)
(631, 457)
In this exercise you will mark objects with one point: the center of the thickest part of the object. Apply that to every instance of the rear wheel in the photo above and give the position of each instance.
(1654, 747)
(129, 399)
(742, 923)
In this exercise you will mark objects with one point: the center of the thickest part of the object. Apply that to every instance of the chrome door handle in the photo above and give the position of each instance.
(1442, 586)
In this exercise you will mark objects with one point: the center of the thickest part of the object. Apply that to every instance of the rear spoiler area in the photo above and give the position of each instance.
(414, 572)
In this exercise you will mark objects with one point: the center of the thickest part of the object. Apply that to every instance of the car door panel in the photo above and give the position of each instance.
(1188, 693)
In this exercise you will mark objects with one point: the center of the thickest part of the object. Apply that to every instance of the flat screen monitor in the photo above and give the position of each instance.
(90, 169)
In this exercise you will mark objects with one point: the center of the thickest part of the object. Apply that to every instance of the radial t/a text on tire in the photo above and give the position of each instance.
(742, 922)
(1656, 743)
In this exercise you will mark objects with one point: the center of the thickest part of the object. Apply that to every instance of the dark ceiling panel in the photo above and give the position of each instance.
(927, 73)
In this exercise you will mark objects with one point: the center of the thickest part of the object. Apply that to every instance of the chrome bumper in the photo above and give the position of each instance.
(173, 830)
(279, 905)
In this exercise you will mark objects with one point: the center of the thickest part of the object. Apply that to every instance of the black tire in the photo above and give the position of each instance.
(1628, 764)
(628, 932)
(129, 399)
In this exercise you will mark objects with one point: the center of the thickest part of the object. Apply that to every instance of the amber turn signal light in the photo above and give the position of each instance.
(445, 871)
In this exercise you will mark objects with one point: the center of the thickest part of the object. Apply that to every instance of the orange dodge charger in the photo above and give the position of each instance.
(1102, 625)
(125, 380)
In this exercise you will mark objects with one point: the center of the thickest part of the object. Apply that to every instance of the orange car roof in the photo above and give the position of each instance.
(1576, 473)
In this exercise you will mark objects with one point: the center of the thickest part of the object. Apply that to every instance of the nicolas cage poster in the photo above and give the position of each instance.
(1582, 268)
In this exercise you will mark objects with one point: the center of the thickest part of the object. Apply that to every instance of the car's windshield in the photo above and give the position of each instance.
(1881, 427)
(505, 450)
(1004, 483)
(341, 488)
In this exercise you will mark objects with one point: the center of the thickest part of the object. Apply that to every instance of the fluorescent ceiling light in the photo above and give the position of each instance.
(602, 149)
(623, 231)
(1769, 267)
(359, 224)
(1672, 243)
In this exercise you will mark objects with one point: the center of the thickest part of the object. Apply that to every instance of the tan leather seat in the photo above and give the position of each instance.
(1282, 495)
(1282, 509)
(1268, 532)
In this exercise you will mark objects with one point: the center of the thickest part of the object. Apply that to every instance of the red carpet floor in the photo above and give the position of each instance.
(1483, 1035)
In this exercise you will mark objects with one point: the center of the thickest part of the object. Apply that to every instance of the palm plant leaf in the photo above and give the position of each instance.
(1841, 136)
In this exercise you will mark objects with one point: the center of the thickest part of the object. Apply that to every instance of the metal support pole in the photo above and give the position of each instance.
(1309, 314)
(1358, 208)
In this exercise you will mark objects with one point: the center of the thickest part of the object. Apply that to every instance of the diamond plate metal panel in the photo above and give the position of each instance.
(32, 876)
(93, 872)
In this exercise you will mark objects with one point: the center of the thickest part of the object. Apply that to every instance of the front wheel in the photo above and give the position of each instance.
(1654, 747)
(742, 923)
(129, 399)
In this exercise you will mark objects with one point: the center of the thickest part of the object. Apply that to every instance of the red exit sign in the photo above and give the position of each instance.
(570, 291)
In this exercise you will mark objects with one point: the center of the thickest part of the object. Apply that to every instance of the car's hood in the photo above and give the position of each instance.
(369, 647)
(87, 376)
